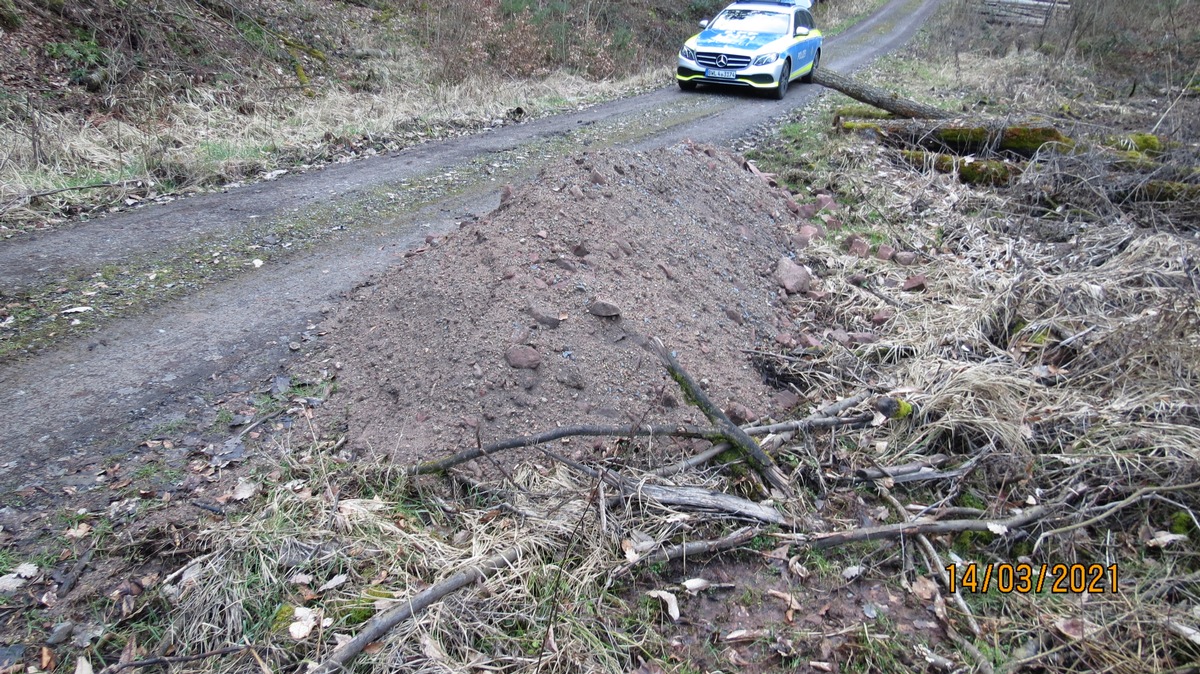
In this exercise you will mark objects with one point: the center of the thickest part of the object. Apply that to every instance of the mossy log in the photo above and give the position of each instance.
(962, 138)
(1158, 191)
(877, 97)
(972, 172)
(851, 112)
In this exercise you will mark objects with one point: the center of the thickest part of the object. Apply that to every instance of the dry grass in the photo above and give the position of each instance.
(1057, 357)
(204, 140)
(324, 518)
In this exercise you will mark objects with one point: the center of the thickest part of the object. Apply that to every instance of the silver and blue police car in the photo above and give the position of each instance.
(765, 44)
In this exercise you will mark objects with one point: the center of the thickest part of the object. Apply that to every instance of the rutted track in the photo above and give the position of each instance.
(80, 402)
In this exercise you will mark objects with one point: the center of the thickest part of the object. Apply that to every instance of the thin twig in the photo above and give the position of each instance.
(920, 527)
(76, 571)
(153, 662)
(1114, 508)
(692, 549)
(383, 623)
(440, 465)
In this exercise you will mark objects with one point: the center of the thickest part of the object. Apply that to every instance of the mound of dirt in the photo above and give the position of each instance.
(503, 328)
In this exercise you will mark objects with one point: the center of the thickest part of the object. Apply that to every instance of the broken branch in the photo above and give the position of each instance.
(738, 439)
(441, 465)
(384, 622)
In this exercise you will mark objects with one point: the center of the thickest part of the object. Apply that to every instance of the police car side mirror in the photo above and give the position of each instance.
(801, 31)
(704, 23)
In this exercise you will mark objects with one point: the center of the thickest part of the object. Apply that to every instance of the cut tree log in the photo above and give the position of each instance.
(880, 98)
(966, 138)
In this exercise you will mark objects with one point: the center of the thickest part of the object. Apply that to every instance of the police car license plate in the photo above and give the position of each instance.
(722, 74)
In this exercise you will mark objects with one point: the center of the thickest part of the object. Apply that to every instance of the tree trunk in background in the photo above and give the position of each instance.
(880, 98)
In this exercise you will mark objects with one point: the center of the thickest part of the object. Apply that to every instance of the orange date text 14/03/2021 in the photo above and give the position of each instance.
(1033, 578)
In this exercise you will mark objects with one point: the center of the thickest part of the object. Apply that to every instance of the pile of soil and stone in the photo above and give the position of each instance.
(532, 317)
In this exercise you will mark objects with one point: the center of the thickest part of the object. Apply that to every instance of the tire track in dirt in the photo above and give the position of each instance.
(77, 404)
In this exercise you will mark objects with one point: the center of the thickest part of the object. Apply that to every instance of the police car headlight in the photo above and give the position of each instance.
(766, 59)
(688, 53)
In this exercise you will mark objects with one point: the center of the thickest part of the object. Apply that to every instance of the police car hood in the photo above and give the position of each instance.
(739, 40)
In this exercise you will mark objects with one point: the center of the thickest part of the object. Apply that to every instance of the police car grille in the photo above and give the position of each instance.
(733, 61)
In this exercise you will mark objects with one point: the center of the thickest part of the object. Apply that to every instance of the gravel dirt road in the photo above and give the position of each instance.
(90, 398)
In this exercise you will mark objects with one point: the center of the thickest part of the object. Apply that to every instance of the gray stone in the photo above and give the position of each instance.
(60, 633)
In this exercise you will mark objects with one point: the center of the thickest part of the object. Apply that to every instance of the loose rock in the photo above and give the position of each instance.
(914, 283)
(603, 308)
(905, 258)
(792, 277)
(523, 357)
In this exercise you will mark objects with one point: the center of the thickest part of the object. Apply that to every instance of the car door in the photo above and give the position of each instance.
(804, 47)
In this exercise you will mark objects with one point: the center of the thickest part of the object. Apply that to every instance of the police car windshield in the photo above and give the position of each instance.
(752, 21)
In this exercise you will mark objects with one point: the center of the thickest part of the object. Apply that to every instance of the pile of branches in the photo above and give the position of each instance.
(1086, 173)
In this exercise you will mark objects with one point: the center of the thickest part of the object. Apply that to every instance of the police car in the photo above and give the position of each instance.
(765, 44)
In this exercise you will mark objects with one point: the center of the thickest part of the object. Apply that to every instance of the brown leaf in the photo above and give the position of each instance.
(924, 588)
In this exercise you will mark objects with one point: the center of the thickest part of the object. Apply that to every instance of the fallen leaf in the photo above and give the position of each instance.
(997, 528)
(647, 668)
(18, 578)
(792, 605)
(306, 620)
(737, 659)
(746, 635)
(924, 588)
(870, 611)
(82, 666)
(696, 585)
(669, 599)
(852, 572)
(1164, 538)
(301, 579)
(48, 659)
(780, 553)
(244, 490)
(76, 310)
(798, 569)
(334, 582)
(1076, 628)
(432, 649)
(79, 531)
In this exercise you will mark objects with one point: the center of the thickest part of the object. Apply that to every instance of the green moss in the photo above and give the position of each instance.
(284, 616)
(1142, 143)
(850, 126)
(975, 172)
(861, 112)
(970, 500)
(1181, 523)
(1027, 140)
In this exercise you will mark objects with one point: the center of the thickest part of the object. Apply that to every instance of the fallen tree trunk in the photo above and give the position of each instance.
(880, 98)
(971, 172)
(964, 138)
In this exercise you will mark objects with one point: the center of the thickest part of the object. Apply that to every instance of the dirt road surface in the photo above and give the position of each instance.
(91, 398)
